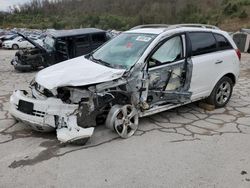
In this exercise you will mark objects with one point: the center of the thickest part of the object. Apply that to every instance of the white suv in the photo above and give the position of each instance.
(143, 71)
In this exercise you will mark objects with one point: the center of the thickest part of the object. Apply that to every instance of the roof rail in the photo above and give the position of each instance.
(193, 25)
(168, 27)
(150, 26)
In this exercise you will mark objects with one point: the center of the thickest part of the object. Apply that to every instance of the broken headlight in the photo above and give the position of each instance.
(40, 89)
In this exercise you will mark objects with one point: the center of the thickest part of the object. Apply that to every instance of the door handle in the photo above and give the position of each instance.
(218, 62)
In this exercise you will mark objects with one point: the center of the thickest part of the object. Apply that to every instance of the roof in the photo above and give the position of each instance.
(74, 32)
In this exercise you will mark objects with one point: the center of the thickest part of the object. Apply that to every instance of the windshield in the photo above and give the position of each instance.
(124, 50)
(49, 43)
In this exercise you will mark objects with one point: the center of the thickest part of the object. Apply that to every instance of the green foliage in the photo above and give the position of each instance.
(192, 14)
(235, 8)
(230, 8)
(243, 14)
(244, 2)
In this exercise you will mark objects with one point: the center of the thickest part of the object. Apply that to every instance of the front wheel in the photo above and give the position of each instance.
(221, 93)
(123, 119)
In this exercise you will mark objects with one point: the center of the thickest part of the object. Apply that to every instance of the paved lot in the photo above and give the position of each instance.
(185, 147)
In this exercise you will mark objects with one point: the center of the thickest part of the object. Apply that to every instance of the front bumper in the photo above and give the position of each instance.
(21, 67)
(43, 117)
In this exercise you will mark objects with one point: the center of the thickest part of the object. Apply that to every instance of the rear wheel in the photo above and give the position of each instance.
(221, 93)
(15, 47)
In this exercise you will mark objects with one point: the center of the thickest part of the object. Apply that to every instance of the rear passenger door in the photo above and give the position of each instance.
(204, 63)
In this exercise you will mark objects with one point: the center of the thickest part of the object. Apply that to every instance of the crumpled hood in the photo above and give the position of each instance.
(76, 72)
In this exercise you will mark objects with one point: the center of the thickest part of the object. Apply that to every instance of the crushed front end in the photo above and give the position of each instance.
(46, 114)
(28, 59)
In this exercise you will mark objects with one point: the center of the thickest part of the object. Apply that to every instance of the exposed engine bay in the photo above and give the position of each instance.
(28, 59)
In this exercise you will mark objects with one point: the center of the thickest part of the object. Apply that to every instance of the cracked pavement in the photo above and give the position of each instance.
(184, 147)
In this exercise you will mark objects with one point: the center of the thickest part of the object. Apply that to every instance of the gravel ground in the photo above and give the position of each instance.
(187, 147)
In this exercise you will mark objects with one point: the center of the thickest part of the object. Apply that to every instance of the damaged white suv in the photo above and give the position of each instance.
(143, 71)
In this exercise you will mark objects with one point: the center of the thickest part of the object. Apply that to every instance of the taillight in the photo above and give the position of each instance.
(238, 53)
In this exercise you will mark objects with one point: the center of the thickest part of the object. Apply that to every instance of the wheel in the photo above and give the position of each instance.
(123, 119)
(15, 47)
(221, 93)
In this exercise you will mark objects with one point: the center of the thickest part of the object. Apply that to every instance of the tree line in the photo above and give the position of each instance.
(121, 14)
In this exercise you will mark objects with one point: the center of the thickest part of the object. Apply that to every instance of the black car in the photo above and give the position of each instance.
(59, 45)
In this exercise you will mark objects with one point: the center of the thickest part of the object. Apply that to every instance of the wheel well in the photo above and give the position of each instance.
(231, 76)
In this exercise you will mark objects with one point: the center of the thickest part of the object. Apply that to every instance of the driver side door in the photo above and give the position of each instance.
(168, 72)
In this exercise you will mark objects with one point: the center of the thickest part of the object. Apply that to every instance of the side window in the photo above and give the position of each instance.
(202, 43)
(170, 51)
(222, 42)
(61, 45)
(82, 40)
(99, 38)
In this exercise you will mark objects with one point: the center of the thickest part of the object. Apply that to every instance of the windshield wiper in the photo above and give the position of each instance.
(99, 61)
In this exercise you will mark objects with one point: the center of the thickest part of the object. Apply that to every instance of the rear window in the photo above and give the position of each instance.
(223, 43)
(202, 43)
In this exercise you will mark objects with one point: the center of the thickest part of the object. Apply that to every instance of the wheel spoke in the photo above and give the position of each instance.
(124, 111)
(124, 132)
(222, 87)
(132, 113)
(218, 95)
(221, 99)
(133, 126)
(118, 122)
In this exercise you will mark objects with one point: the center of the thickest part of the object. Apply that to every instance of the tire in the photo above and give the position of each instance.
(221, 93)
(15, 47)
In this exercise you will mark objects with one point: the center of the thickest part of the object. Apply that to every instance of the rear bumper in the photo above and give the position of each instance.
(43, 117)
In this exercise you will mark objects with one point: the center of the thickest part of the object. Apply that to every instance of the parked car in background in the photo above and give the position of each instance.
(143, 71)
(58, 46)
(7, 37)
(2, 32)
(16, 43)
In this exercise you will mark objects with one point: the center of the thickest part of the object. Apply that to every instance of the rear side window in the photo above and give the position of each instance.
(223, 43)
(84, 40)
(202, 43)
(99, 38)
